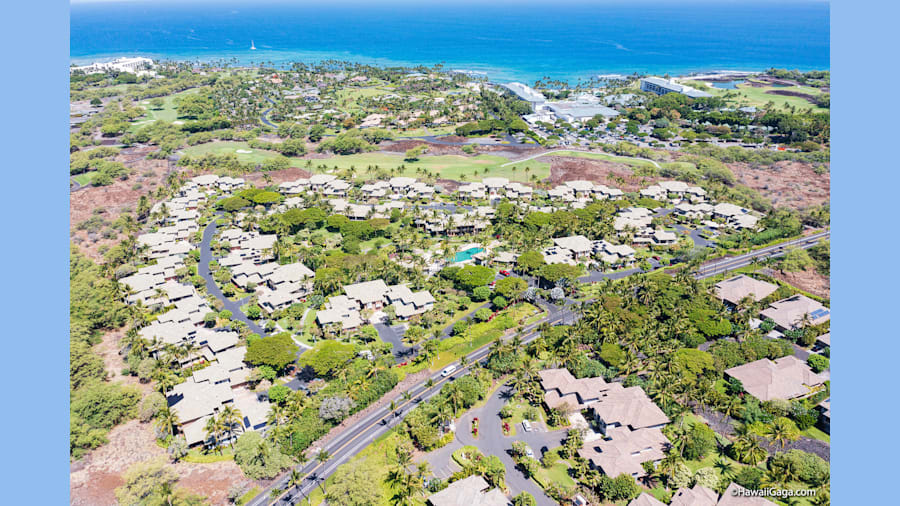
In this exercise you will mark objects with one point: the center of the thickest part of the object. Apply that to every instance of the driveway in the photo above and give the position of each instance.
(491, 441)
(393, 334)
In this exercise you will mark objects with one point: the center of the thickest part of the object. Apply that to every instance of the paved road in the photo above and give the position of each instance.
(363, 433)
(355, 438)
(211, 287)
(491, 441)
(264, 117)
(731, 263)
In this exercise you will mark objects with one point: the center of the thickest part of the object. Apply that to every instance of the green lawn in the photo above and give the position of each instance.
(476, 336)
(457, 167)
(346, 98)
(759, 96)
(815, 433)
(253, 492)
(168, 112)
(202, 457)
(557, 474)
(380, 456)
(232, 147)
(422, 131)
(85, 178)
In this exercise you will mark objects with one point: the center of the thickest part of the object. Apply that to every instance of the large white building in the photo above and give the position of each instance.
(132, 65)
(526, 93)
(662, 86)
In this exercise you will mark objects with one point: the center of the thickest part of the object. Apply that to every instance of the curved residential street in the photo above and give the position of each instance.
(264, 117)
(203, 270)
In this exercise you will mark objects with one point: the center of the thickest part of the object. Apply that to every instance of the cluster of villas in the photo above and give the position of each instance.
(220, 373)
(364, 302)
(253, 268)
(788, 377)
(379, 198)
(473, 221)
(396, 188)
(627, 426)
(577, 248)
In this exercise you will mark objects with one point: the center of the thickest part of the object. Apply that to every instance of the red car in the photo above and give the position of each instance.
(504, 272)
(493, 283)
(656, 258)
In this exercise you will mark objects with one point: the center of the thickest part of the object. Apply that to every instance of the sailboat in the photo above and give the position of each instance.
(252, 46)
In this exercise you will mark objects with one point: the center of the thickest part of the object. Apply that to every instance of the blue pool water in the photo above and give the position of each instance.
(465, 255)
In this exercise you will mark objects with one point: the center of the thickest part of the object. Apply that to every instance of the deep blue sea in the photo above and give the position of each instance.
(509, 41)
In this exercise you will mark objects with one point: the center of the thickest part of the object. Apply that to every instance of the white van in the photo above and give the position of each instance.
(526, 425)
(448, 370)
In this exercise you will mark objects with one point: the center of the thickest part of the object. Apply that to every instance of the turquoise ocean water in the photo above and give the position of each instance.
(509, 41)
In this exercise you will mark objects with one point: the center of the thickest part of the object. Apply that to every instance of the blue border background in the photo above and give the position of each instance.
(35, 247)
(35, 253)
(864, 179)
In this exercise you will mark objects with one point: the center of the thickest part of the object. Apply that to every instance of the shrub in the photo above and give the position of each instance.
(817, 363)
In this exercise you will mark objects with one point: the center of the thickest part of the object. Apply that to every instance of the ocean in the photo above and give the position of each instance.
(508, 41)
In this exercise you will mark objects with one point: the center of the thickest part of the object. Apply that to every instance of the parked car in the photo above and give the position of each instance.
(529, 452)
(526, 425)
(504, 272)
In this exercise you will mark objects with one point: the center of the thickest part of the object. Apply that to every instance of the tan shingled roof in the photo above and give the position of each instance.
(646, 499)
(786, 378)
(738, 287)
(625, 451)
(697, 496)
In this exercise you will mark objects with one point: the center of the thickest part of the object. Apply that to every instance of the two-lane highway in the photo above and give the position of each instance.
(363, 433)
(731, 263)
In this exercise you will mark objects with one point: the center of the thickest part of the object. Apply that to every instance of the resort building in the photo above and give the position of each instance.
(662, 86)
(629, 422)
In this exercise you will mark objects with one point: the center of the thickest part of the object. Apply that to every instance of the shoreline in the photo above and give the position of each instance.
(494, 74)
(283, 60)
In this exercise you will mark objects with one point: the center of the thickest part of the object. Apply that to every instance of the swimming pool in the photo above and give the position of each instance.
(465, 255)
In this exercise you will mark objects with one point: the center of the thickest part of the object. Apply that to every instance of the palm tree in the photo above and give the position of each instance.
(295, 479)
(230, 416)
(782, 430)
(321, 458)
(167, 420)
(213, 428)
